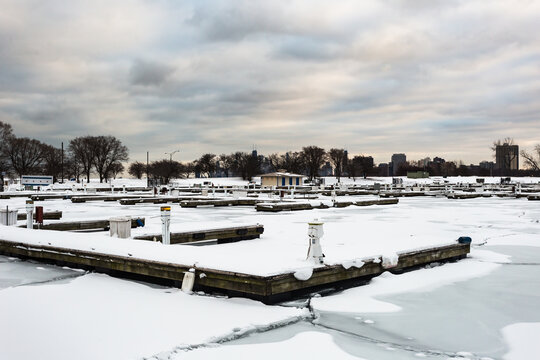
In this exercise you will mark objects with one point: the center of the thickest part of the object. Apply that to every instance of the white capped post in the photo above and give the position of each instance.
(29, 214)
(188, 281)
(315, 233)
(165, 228)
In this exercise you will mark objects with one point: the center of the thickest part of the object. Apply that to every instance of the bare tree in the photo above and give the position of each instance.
(241, 164)
(226, 163)
(165, 170)
(114, 170)
(188, 169)
(72, 169)
(137, 169)
(52, 161)
(108, 151)
(82, 154)
(532, 160)
(206, 164)
(275, 162)
(6, 131)
(5, 134)
(24, 154)
(499, 142)
(290, 161)
(314, 158)
(337, 158)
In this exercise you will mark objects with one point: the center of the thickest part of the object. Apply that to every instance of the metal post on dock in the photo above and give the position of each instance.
(188, 281)
(29, 214)
(315, 232)
(166, 221)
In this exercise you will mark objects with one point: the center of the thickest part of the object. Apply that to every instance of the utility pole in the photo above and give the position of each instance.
(147, 158)
(171, 154)
(62, 162)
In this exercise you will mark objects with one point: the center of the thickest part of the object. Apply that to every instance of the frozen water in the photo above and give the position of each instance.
(483, 307)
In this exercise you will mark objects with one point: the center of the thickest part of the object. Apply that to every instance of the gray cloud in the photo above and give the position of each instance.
(376, 77)
(147, 73)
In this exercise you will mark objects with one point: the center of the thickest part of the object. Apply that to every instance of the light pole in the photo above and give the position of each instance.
(171, 154)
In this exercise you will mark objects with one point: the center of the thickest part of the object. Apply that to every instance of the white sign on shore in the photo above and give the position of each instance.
(36, 180)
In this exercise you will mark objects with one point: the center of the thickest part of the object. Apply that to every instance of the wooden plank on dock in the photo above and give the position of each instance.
(48, 215)
(43, 197)
(402, 194)
(271, 207)
(83, 199)
(390, 201)
(6, 196)
(218, 202)
(229, 234)
(82, 225)
(467, 196)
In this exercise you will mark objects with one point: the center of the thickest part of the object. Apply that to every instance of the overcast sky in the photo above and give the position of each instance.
(423, 77)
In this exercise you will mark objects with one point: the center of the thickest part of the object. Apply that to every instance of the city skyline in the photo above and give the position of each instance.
(429, 79)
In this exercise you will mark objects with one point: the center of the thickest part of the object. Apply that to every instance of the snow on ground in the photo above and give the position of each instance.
(523, 341)
(98, 317)
(95, 316)
(352, 234)
(306, 345)
(363, 299)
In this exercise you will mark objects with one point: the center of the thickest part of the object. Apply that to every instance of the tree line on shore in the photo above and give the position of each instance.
(105, 156)
(102, 155)
(308, 161)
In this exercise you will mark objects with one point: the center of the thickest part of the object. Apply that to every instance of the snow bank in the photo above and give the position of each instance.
(522, 339)
(99, 317)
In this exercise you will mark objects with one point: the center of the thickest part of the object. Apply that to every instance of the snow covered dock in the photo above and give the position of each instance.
(154, 267)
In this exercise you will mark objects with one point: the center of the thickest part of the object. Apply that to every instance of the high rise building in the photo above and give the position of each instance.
(397, 160)
(507, 157)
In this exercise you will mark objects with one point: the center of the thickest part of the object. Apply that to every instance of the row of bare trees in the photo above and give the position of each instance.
(102, 155)
(308, 161)
(239, 163)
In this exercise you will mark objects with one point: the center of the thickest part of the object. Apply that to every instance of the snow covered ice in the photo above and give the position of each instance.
(485, 306)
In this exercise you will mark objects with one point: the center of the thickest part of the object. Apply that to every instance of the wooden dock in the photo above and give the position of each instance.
(222, 235)
(82, 225)
(283, 206)
(86, 198)
(292, 206)
(269, 289)
(467, 196)
(402, 194)
(48, 215)
(220, 202)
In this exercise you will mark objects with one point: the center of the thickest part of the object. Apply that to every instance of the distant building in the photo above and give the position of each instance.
(397, 160)
(424, 162)
(488, 165)
(282, 179)
(384, 169)
(507, 157)
(345, 167)
(326, 169)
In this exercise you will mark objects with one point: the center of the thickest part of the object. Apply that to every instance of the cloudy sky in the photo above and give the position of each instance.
(424, 77)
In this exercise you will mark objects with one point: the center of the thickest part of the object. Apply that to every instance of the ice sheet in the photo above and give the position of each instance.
(99, 317)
